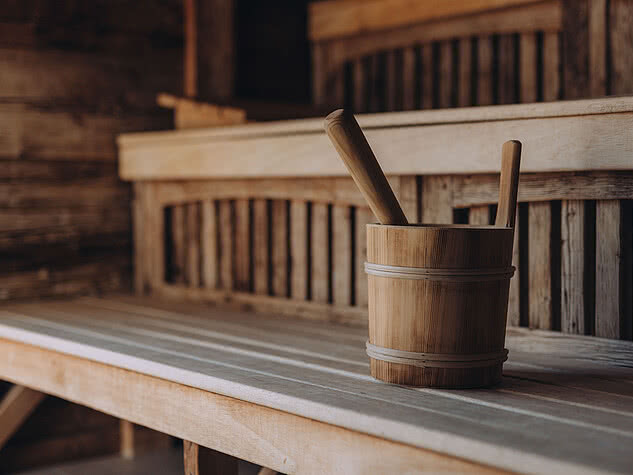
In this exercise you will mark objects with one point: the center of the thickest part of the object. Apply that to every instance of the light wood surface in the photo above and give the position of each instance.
(126, 431)
(356, 153)
(15, 407)
(590, 135)
(509, 184)
(337, 18)
(296, 397)
(202, 461)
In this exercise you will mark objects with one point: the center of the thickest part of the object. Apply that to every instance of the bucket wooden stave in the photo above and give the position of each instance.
(438, 295)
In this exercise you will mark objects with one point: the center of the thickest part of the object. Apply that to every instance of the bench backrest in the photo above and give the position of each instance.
(265, 216)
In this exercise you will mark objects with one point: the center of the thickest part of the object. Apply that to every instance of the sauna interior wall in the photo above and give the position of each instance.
(72, 76)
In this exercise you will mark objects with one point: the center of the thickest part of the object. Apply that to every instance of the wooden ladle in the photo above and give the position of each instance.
(352, 146)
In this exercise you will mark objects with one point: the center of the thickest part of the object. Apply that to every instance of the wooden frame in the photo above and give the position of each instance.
(280, 237)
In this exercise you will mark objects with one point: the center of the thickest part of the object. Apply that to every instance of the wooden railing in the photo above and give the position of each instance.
(264, 215)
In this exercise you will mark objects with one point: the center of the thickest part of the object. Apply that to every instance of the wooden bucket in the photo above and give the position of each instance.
(438, 297)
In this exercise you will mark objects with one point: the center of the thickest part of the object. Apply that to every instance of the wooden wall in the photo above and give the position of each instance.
(74, 74)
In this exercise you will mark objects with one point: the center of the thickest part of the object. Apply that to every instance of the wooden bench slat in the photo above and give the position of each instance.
(301, 384)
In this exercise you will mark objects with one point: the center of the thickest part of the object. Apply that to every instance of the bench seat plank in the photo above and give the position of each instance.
(566, 402)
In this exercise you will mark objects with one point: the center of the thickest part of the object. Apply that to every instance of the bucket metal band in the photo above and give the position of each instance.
(449, 275)
(435, 360)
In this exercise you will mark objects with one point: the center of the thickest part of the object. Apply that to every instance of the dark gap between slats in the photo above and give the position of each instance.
(418, 198)
(524, 265)
(251, 245)
(540, 77)
(330, 293)
(398, 80)
(589, 278)
(309, 251)
(200, 239)
(218, 250)
(367, 63)
(555, 264)
(168, 244)
(454, 72)
(473, 71)
(492, 214)
(269, 250)
(353, 257)
(436, 73)
(234, 249)
(461, 215)
(626, 270)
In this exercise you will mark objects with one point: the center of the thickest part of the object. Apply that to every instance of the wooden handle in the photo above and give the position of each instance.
(509, 184)
(352, 146)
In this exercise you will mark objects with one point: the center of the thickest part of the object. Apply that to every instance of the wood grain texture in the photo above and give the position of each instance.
(428, 315)
(437, 199)
(445, 78)
(552, 81)
(408, 197)
(227, 250)
(484, 71)
(319, 254)
(608, 258)
(364, 216)
(514, 295)
(540, 274)
(528, 67)
(408, 79)
(507, 81)
(192, 245)
(341, 255)
(598, 40)
(16, 405)
(299, 249)
(621, 39)
(479, 215)
(247, 367)
(261, 257)
(573, 267)
(279, 255)
(209, 246)
(466, 70)
(575, 49)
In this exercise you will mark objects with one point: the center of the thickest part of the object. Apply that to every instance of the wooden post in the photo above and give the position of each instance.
(16, 406)
(202, 461)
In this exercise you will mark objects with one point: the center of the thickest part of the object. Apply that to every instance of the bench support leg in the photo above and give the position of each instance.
(15, 407)
(202, 461)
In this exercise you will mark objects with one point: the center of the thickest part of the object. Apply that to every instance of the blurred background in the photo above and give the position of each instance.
(74, 74)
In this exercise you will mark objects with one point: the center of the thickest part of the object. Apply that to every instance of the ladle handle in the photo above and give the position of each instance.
(352, 146)
(509, 184)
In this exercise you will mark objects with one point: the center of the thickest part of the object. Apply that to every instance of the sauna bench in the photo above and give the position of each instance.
(296, 396)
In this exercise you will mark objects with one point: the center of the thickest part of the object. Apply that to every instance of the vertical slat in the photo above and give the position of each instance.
(364, 216)
(408, 197)
(126, 439)
(156, 235)
(621, 41)
(242, 245)
(373, 83)
(527, 67)
(341, 255)
(391, 81)
(200, 460)
(260, 247)
(479, 215)
(360, 86)
(484, 71)
(299, 249)
(465, 72)
(192, 247)
(514, 308)
(138, 239)
(178, 244)
(506, 79)
(279, 257)
(226, 244)
(426, 53)
(446, 75)
(319, 253)
(540, 278)
(551, 67)
(598, 45)
(408, 78)
(608, 249)
(572, 266)
(336, 88)
(437, 200)
(209, 245)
